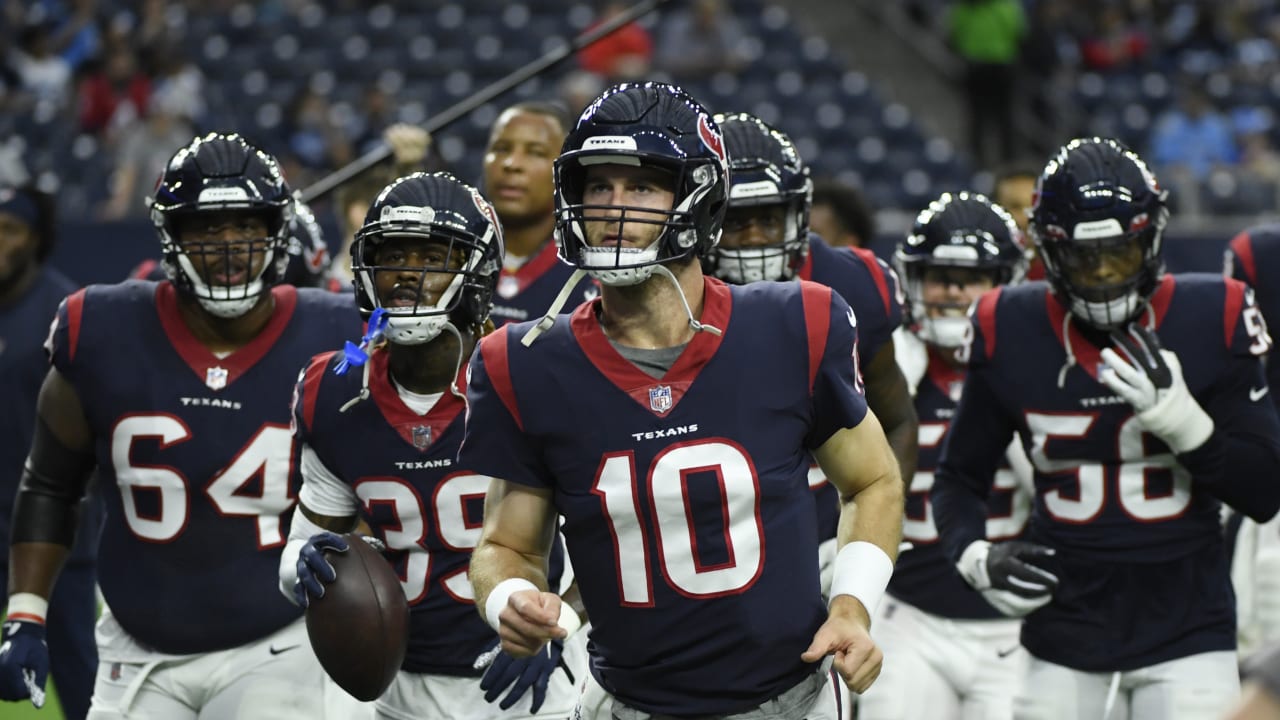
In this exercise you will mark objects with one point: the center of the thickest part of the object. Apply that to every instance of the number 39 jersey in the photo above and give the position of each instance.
(195, 458)
(687, 514)
(1139, 550)
(407, 485)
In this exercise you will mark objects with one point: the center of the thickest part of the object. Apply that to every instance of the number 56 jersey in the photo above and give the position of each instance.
(194, 455)
(687, 511)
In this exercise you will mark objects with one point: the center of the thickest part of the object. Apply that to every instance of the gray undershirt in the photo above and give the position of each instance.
(654, 363)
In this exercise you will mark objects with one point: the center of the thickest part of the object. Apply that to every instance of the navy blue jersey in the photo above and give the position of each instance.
(684, 499)
(1255, 254)
(195, 457)
(23, 365)
(1132, 525)
(871, 288)
(527, 293)
(426, 507)
(924, 575)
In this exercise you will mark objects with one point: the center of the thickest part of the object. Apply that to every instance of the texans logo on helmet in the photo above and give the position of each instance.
(711, 138)
(487, 210)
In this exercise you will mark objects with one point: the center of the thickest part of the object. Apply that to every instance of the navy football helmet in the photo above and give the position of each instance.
(965, 231)
(765, 169)
(220, 172)
(651, 125)
(439, 207)
(308, 252)
(1098, 218)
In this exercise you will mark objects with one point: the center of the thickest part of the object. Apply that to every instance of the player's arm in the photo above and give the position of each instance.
(45, 517)
(889, 398)
(326, 510)
(509, 567)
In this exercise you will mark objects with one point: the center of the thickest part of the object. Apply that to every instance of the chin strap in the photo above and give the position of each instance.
(353, 354)
(457, 367)
(1066, 343)
(693, 322)
(544, 324)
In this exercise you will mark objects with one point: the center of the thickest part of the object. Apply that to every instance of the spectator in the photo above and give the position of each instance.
(42, 71)
(1193, 138)
(578, 89)
(623, 55)
(841, 215)
(115, 95)
(176, 77)
(987, 34)
(698, 41)
(145, 147)
(1015, 189)
(316, 143)
(1115, 43)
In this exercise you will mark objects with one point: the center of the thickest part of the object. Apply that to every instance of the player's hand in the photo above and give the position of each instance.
(1009, 575)
(24, 661)
(521, 674)
(313, 569)
(409, 143)
(1150, 379)
(846, 635)
(529, 620)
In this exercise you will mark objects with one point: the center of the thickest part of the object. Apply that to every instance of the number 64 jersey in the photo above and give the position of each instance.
(687, 511)
(194, 455)
(1143, 576)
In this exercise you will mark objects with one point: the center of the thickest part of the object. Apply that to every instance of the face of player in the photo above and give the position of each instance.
(949, 291)
(1100, 269)
(226, 247)
(518, 174)
(17, 249)
(626, 191)
(414, 271)
(1014, 194)
(758, 226)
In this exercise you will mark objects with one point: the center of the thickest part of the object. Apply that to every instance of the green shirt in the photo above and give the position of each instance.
(987, 31)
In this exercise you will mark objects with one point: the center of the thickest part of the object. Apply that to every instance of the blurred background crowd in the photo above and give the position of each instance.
(890, 102)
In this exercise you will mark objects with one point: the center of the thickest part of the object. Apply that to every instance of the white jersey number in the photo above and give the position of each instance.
(921, 530)
(1083, 502)
(266, 456)
(410, 531)
(666, 486)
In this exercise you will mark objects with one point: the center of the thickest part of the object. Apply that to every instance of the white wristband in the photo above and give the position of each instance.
(862, 570)
(569, 619)
(500, 595)
(28, 607)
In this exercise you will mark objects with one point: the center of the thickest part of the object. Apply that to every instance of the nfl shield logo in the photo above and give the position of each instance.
(215, 378)
(508, 287)
(421, 436)
(660, 398)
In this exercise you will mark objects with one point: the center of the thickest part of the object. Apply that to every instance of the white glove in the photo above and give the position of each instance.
(1150, 379)
(1006, 575)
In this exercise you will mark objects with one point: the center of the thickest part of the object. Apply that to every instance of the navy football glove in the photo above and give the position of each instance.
(1150, 379)
(313, 569)
(1008, 576)
(24, 661)
(521, 674)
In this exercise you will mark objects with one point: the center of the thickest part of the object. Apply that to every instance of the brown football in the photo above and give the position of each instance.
(360, 628)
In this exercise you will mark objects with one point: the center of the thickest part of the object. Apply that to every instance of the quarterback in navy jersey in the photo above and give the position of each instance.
(948, 653)
(177, 393)
(379, 442)
(766, 237)
(30, 292)
(671, 422)
(1138, 397)
(518, 179)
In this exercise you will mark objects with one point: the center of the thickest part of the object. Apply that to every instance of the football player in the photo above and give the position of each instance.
(379, 442)
(30, 291)
(176, 395)
(670, 422)
(948, 653)
(518, 178)
(1255, 556)
(766, 237)
(1136, 395)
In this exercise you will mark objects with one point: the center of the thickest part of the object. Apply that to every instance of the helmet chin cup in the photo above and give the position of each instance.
(623, 277)
(746, 265)
(407, 330)
(620, 267)
(947, 332)
(1107, 315)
